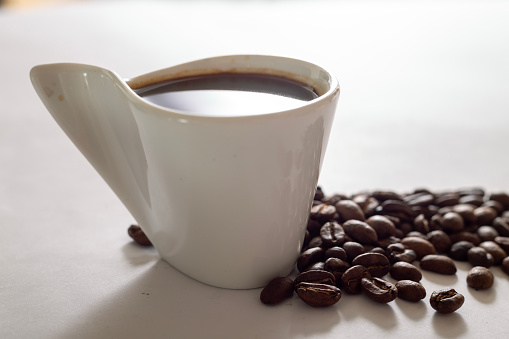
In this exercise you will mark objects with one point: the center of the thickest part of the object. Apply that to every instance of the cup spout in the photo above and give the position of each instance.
(90, 105)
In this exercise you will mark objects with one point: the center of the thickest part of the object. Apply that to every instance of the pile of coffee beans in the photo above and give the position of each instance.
(353, 243)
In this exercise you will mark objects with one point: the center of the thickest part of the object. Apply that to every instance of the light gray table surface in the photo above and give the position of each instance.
(424, 103)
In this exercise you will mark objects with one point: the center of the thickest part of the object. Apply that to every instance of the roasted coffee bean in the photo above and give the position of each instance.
(277, 290)
(465, 236)
(307, 237)
(417, 234)
(322, 212)
(480, 278)
(319, 194)
(379, 290)
(477, 256)
(385, 242)
(335, 252)
(316, 266)
(440, 240)
(377, 250)
(495, 205)
(337, 267)
(446, 300)
(470, 191)
(472, 199)
(501, 197)
(309, 257)
(399, 252)
(333, 199)
(503, 242)
(318, 295)
(332, 234)
(137, 234)
(438, 264)
(386, 195)
(405, 271)
(351, 279)
(486, 233)
(348, 209)
(382, 225)
(452, 222)
(466, 212)
(484, 215)
(421, 224)
(447, 199)
(459, 250)
(410, 290)
(502, 226)
(367, 203)
(419, 199)
(505, 265)
(314, 242)
(314, 227)
(496, 251)
(353, 249)
(316, 276)
(420, 246)
(361, 232)
(377, 264)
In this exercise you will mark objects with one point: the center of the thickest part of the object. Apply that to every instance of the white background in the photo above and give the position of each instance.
(424, 103)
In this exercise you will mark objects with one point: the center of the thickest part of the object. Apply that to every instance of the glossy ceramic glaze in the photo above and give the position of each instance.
(224, 200)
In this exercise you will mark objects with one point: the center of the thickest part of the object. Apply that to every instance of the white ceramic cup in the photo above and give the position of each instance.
(224, 200)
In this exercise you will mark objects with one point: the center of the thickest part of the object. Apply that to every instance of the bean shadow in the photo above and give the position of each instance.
(449, 325)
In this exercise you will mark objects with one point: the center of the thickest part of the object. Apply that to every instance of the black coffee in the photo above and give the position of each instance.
(229, 94)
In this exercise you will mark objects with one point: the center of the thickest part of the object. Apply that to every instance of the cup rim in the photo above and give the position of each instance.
(322, 81)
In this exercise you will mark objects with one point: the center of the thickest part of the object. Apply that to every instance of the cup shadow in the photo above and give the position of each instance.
(162, 302)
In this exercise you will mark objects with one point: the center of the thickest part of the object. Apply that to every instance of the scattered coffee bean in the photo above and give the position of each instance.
(459, 250)
(440, 241)
(351, 279)
(317, 277)
(399, 252)
(379, 290)
(480, 278)
(323, 212)
(353, 249)
(332, 234)
(505, 265)
(137, 234)
(318, 295)
(335, 252)
(309, 257)
(383, 226)
(349, 210)
(405, 271)
(420, 246)
(495, 250)
(452, 222)
(277, 290)
(337, 267)
(487, 233)
(446, 300)
(477, 256)
(361, 232)
(484, 215)
(410, 290)
(438, 264)
(377, 264)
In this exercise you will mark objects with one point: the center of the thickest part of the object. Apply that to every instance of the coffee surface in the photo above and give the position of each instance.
(229, 94)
